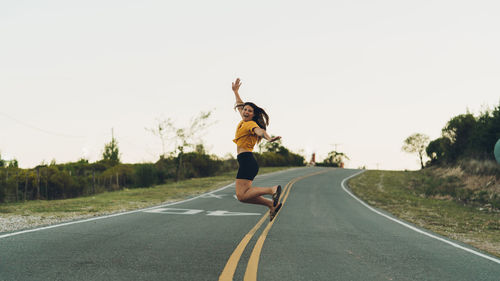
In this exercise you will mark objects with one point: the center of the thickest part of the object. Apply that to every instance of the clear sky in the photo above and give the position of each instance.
(360, 76)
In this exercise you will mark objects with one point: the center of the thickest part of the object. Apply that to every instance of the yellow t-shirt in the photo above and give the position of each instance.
(245, 136)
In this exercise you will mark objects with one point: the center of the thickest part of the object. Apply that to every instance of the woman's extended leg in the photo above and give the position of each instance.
(248, 194)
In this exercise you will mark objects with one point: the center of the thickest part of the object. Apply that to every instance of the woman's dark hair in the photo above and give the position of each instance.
(259, 115)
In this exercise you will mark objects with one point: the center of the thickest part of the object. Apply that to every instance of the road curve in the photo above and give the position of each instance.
(322, 233)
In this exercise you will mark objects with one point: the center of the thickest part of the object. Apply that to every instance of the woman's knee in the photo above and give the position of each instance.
(242, 186)
(241, 197)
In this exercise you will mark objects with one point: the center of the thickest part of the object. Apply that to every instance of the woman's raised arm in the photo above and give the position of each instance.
(239, 101)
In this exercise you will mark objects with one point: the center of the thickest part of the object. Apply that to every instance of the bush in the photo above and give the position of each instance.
(145, 175)
(480, 167)
(279, 159)
(466, 136)
(2, 192)
(196, 165)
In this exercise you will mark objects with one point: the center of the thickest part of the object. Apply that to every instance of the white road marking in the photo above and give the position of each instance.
(211, 195)
(219, 213)
(175, 211)
(227, 213)
(414, 228)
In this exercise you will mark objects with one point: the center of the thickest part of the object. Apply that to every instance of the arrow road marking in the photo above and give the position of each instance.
(175, 211)
(226, 213)
(218, 213)
(211, 195)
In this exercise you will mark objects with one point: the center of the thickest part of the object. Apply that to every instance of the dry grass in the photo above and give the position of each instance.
(398, 193)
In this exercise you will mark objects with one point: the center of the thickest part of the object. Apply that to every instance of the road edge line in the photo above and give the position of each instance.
(413, 227)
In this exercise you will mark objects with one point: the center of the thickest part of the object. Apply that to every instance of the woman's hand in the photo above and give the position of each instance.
(274, 139)
(236, 85)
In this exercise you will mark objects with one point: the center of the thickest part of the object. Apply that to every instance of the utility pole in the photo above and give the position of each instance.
(25, 186)
(335, 146)
(38, 183)
(17, 186)
(46, 183)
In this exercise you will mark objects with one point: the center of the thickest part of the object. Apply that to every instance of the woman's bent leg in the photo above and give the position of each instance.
(248, 194)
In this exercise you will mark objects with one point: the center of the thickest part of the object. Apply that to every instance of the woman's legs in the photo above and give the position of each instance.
(248, 194)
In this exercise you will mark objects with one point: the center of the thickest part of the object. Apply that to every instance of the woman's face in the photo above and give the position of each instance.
(248, 113)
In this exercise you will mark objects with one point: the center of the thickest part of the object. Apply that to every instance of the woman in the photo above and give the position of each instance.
(250, 131)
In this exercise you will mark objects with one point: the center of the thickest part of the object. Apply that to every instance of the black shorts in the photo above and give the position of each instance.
(248, 166)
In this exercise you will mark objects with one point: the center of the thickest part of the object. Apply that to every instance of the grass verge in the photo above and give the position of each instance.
(392, 191)
(15, 216)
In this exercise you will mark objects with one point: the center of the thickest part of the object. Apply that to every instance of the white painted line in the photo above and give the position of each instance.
(227, 213)
(124, 213)
(414, 228)
(211, 195)
(175, 211)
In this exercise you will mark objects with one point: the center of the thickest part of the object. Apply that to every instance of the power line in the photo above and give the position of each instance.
(39, 129)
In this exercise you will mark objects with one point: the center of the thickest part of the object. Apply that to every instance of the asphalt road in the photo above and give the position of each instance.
(322, 233)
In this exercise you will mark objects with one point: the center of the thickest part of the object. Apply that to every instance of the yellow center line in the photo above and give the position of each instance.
(253, 262)
(228, 272)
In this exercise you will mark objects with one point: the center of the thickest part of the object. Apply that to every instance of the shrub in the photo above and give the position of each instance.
(480, 167)
(146, 175)
(165, 168)
(197, 165)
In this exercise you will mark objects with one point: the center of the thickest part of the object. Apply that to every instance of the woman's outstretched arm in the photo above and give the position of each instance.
(239, 101)
(262, 133)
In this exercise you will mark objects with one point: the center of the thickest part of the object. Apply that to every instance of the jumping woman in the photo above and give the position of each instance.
(250, 131)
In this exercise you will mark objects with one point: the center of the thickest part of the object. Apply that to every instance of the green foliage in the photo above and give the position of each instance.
(275, 146)
(480, 167)
(416, 143)
(466, 136)
(166, 168)
(434, 183)
(13, 163)
(284, 158)
(111, 152)
(460, 131)
(437, 149)
(164, 131)
(274, 154)
(196, 165)
(334, 159)
(146, 175)
(185, 138)
(3, 187)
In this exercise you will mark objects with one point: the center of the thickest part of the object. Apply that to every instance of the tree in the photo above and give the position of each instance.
(438, 149)
(111, 151)
(13, 163)
(460, 131)
(416, 143)
(164, 130)
(183, 138)
(275, 146)
(334, 159)
(187, 137)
